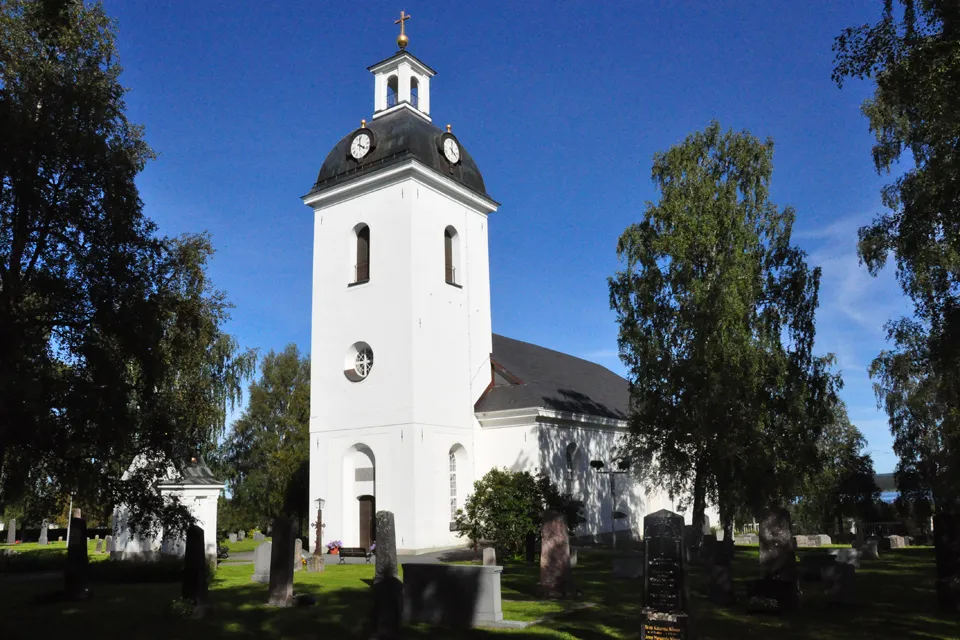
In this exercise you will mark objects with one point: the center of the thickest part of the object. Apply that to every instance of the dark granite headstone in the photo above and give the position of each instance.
(721, 590)
(386, 555)
(387, 601)
(12, 531)
(44, 529)
(280, 593)
(665, 589)
(75, 571)
(194, 586)
(946, 535)
(778, 557)
(555, 575)
(452, 595)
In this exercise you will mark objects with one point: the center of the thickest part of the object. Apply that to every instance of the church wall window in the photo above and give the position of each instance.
(451, 256)
(453, 485)
(393, 91)
(361, 269)
(459, 477)
(570, 455)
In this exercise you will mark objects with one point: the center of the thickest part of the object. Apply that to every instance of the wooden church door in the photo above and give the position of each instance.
(367, 523)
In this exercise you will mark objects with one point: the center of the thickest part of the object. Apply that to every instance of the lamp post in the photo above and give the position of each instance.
(319, 549)
(623, 466)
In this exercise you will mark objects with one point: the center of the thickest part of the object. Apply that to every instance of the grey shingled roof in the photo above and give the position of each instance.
(540, 377)
(193, 474)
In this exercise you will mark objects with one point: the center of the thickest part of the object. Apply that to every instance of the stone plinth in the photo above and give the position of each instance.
(450, 595)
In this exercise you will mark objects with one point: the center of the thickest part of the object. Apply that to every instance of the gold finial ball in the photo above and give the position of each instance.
(403, 41)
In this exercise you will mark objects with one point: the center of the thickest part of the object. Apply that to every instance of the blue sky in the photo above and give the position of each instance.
(561, 104)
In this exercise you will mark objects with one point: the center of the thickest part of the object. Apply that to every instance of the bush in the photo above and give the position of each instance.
(506, 506)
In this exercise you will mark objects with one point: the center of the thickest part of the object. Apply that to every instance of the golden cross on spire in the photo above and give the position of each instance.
(402, 39)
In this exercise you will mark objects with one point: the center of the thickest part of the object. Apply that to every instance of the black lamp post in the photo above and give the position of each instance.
(623, 466)
(319, 549)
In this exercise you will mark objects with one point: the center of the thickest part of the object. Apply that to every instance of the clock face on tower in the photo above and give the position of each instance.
(361, 144)
(451, 150)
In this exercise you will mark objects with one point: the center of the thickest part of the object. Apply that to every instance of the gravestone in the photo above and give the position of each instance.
(12, 532)
(838, 580)
(194, 586)
(241, 535)
(75, 571)
(44, 528)
(489, 557)
(232, 537)
(280, 593)
(706, 525)
(108, 544)
(455, 596)
(812, 565)
(777, 555)
(720, 589)
(847, 556)
(665, 589)
(257, 536)
(871, 550)
(823, 540)
(895, 542)
(746, 539)
(99, 547)
(297, 554)
(708, 546)
(261, 562)
(554, 555)
(315, 563)
(946, 535)
(386, 547)
(387, 599)
(59, 538)
(573, 558)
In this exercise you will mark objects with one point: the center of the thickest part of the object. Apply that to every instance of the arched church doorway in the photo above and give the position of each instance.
(368, 523)
(359, 496)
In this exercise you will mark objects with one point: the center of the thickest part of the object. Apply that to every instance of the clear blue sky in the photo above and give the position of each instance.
(561, 104)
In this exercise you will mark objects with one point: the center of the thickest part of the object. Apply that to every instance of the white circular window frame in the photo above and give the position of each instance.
(358, 362)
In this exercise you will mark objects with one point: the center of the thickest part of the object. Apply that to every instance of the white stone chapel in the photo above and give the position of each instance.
(413, 397)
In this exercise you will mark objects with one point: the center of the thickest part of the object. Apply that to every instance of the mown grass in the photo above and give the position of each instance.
(241, 546)
(895, 599)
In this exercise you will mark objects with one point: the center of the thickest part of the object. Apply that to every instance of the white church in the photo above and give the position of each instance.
(413, 395)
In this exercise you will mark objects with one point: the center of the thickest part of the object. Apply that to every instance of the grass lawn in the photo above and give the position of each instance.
(895, 594)
(240, 546)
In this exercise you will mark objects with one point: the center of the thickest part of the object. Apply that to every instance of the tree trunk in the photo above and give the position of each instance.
(699, 507)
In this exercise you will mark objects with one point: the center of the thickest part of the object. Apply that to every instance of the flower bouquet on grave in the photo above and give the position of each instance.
(333, 547)
(373, 548)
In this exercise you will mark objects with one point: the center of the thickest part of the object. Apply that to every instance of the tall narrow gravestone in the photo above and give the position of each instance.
(297, 554)
(777, 555)
(665, 589)
(194, 587)
(554, 554)
(75, 571)
(280, 593)
(12, 532)
(44, 529)
(386, 555)
(261, 562)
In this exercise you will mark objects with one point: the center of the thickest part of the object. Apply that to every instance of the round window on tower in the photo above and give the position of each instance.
(358, 362)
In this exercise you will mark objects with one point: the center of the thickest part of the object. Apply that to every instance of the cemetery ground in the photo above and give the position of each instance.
(894, 598)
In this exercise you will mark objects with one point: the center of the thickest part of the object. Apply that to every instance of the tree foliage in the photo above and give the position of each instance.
(913, 57)
(843, 485)
(716, 313)
(506, 506)
(266, 455)
(112, 335)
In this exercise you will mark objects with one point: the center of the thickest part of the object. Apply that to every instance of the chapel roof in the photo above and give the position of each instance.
(195, 473)
(398, 136)
(527, 375)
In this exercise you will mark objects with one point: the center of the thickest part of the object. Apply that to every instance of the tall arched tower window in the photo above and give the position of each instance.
(393, 91)
(362, 267)
(453, 484)
(451, 255)
(414, 93)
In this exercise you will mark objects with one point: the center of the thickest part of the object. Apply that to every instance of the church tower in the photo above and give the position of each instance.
(401, 333)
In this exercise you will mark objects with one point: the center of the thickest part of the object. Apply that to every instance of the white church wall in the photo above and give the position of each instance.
(200, 500)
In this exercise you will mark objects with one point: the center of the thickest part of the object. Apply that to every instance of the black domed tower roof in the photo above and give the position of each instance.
(398, 136)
